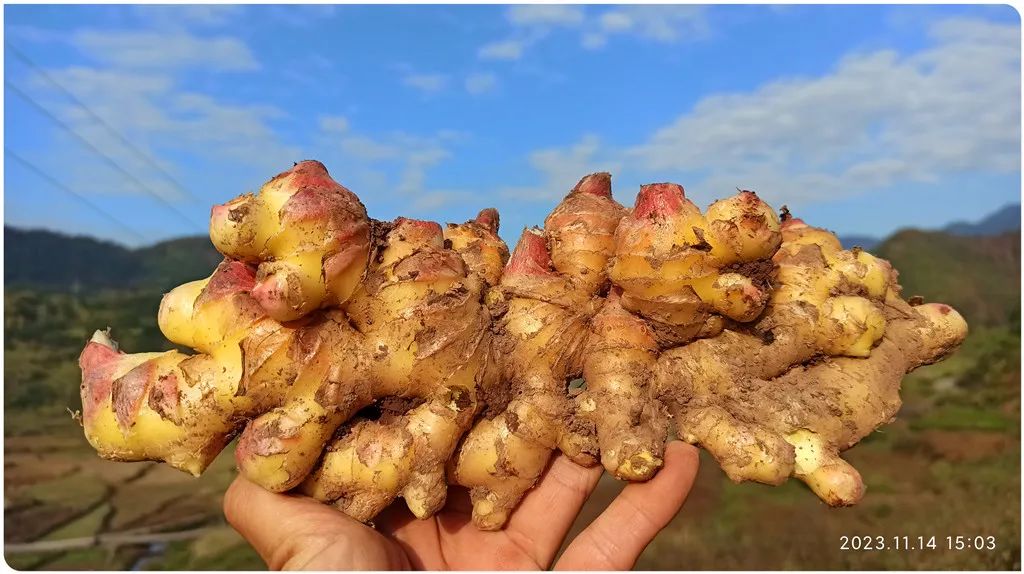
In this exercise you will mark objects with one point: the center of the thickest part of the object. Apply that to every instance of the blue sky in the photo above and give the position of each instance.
(862, 119)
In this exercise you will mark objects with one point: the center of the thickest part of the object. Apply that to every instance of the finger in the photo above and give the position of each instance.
(616, 538)
(397, 521)
(547, 512)
(419, 539)
(296, 532)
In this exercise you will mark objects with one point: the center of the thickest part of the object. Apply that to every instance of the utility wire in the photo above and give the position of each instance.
(109, 160)
(81, 198)
(138, 152)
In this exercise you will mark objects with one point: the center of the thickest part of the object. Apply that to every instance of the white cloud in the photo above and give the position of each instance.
(428, 83)
(876, 120)
(185, 14)
(615, 21)
(396, 161)
(503, 50)
(152, 49)
(660, 23)
(593, 40)
(157, 122)
(240, 132)
(419, 158)
(481, 83)
(150, 115)
(546, 14)
(157, 117)
(560, 169)
(299, 15)
(336, 124)
(368, 149)
(655, 23)
(432, 200)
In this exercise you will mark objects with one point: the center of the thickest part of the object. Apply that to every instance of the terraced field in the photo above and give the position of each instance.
(56, 489)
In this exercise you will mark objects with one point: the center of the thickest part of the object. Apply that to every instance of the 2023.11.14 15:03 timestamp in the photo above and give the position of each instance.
(953, 542)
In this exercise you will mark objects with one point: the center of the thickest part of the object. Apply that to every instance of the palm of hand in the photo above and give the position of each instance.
(293, 532)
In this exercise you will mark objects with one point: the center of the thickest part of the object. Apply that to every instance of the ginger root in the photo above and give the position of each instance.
(360, 361)
(413, 327)
(567, 314)
(308, 235)
(820, 369)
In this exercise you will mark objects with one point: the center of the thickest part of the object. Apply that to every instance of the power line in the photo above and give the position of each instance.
(146, 157)
(81, 198)
(110, 161)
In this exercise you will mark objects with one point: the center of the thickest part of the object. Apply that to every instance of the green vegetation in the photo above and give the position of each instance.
(56, 262)
(955, 417)
(68, 490)
(45, 331)
(88, 525)
(980, 276)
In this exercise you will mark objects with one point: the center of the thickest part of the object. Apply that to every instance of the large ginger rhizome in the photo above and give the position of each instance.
(363, 361)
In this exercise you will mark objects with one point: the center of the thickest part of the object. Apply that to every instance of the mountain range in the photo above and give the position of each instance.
(1004, 219)
(39, 259)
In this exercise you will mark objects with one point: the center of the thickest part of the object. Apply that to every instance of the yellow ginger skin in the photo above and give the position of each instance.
(761, 340)
(581, 232)
(414, 328)
(418, 329)
(684, 271)
(308, 234)
(817, 372)
(539, 344)
(620, 357)
(683, 274)
(178, 408)
(544, 303)
(423, 317)
(360, 361)
(478, 243)
(550, 331)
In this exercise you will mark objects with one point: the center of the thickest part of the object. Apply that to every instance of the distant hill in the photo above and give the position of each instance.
(1006, 219)
(980, 276)
(1003, 220)
(175, 261)
(41, 259)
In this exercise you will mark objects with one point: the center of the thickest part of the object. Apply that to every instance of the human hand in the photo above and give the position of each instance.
(296, 532)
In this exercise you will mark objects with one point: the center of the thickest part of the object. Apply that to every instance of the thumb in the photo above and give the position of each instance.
(292, 532)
